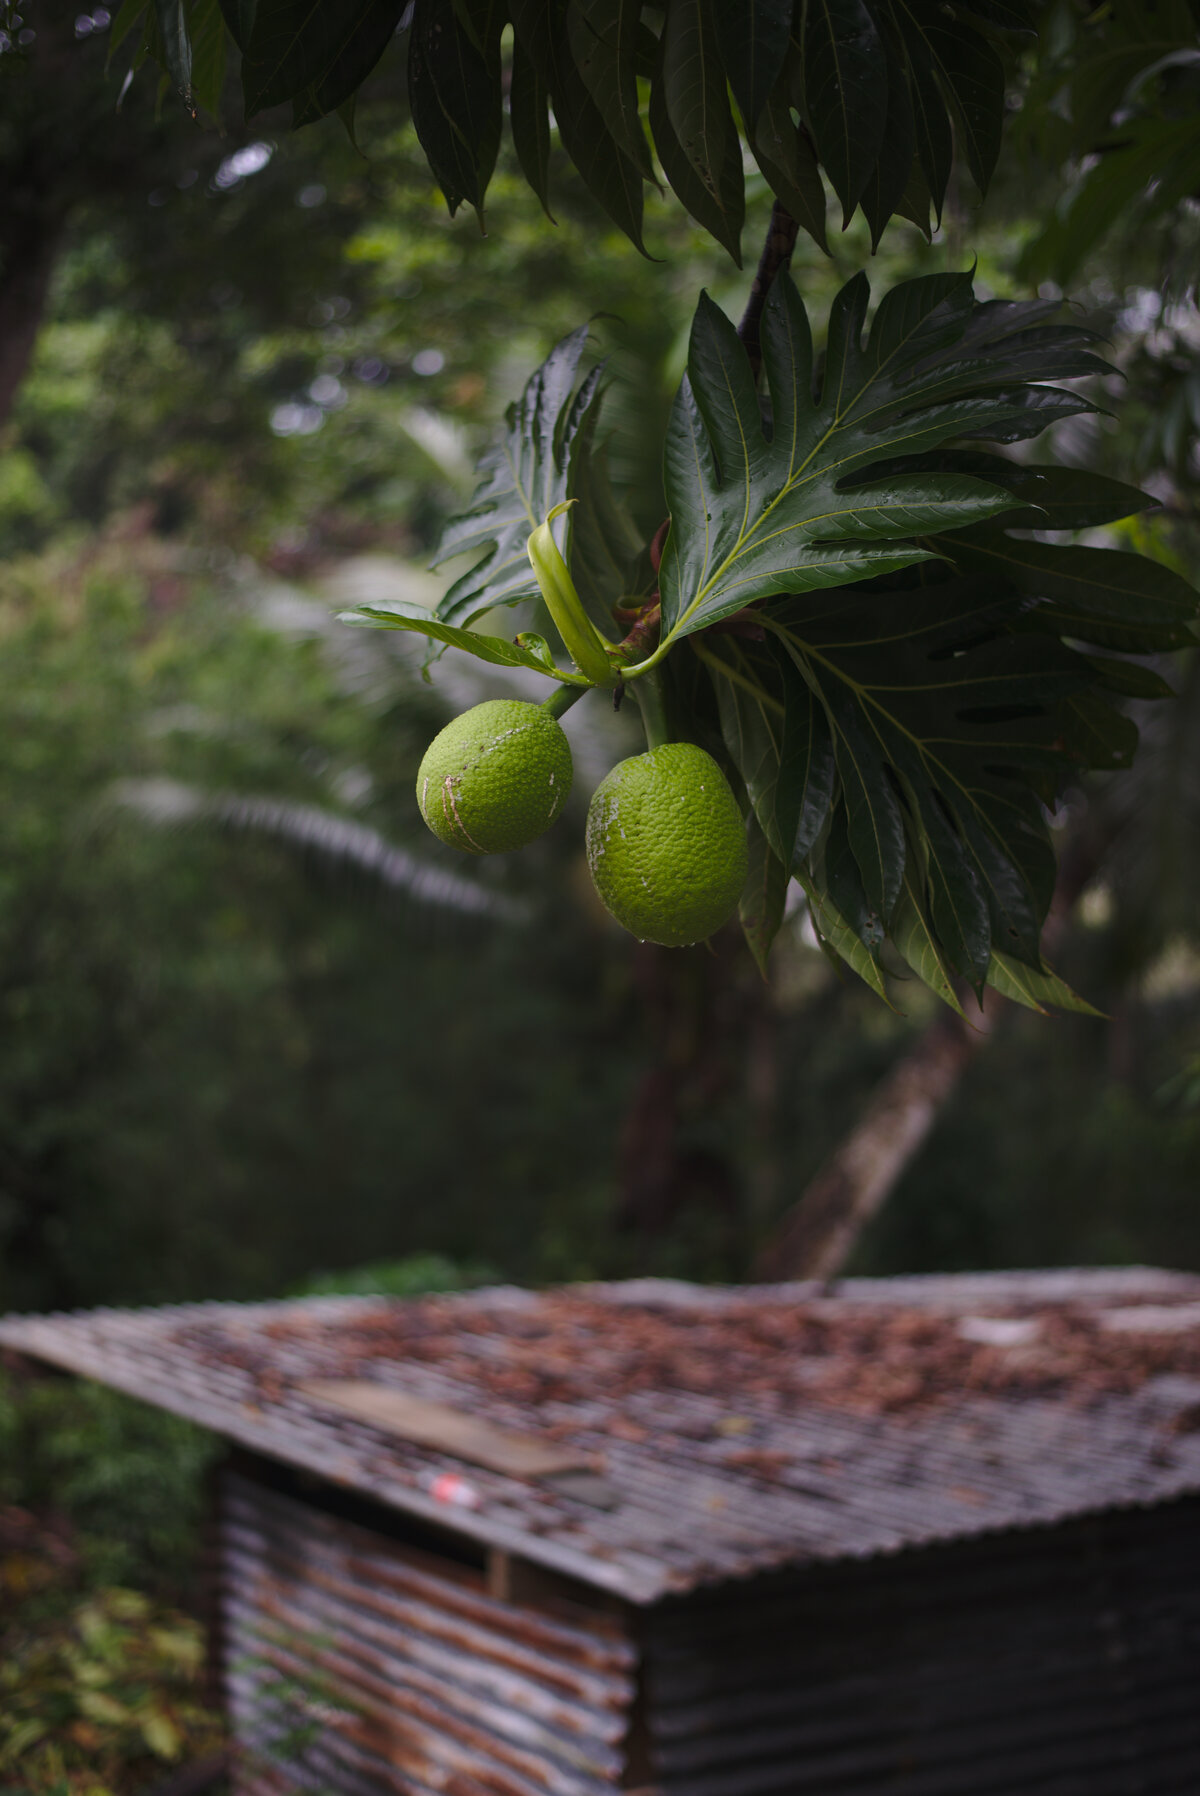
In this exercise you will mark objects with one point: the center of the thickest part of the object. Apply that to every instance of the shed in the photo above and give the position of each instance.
(908, 1537)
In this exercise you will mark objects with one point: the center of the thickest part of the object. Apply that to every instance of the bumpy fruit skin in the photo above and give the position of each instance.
(666, 845)
(496, 777)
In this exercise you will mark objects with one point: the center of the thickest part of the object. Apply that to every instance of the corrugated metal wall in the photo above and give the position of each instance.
(1061, 1661)
(371, 1668)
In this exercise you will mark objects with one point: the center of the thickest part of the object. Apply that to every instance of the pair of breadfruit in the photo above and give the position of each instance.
(666, 843)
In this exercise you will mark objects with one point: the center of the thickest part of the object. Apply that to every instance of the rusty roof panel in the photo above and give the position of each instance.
(728, 1430)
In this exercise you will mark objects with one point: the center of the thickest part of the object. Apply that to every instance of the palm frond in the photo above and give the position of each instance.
(321, 836)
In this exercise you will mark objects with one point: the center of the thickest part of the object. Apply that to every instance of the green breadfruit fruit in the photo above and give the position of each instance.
(496, 777)
(666, 845)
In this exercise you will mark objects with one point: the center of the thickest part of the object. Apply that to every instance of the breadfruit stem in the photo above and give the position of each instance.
(563, 699)
(648, 692)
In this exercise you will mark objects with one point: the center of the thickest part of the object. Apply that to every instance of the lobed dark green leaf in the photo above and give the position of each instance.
(876, 84)
(529, 119)
(873, 817)
(754, 516)
(693, 85)
(915, 202)
(751, 709)
(527, 471)
(807, 768)
(840, 939)
(1131, 679)
(943, 721)
(885, 187)
(931, 123)
(784, 153)
(1108, 597)
(608, 173)
(1050, 497)
(1035, 987)
(401, 614)
(764, 895)
(454, 94)
(916, 940)
(604, 36)
(958, 904)
(845, 92)
(1103, 736)
(842, 879)
(971, 77)
(777, 738)
(715, 198)
(300, 47)
(753, 37)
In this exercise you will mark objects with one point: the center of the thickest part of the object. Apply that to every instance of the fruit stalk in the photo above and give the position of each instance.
(562, 699)
(648, 691)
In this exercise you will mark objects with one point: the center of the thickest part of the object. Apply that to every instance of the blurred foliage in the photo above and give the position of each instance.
(103, 1700)
(313, 339)
(416, 1275)
(125, 1477)
(1088, 1162)
(101, 1502)
(216, 1075)
(1113, 101)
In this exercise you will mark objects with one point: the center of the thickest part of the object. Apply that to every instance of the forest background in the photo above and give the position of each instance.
(261, 1032)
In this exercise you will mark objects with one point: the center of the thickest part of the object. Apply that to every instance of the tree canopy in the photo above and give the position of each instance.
(860, 601)
(878, 100)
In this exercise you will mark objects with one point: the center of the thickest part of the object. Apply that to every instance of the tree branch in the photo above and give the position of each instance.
(776, 254)
(817, 1235)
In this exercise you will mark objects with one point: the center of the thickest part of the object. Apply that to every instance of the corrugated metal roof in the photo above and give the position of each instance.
(729, 1430)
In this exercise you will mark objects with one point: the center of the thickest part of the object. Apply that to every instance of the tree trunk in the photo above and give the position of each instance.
(695, 1013)
(819, 1232)
(28, 246)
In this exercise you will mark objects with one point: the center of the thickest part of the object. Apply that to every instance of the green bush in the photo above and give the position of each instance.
(100, 1702)
(127, 1478)
(416, 1275)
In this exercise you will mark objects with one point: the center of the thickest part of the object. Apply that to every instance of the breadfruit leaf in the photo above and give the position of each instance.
(526, 650)
(529, 469)
(909, 682)
(809, 504)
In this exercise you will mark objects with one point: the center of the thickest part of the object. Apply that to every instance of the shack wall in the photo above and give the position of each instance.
(366, 1665)
(1060, 1661)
